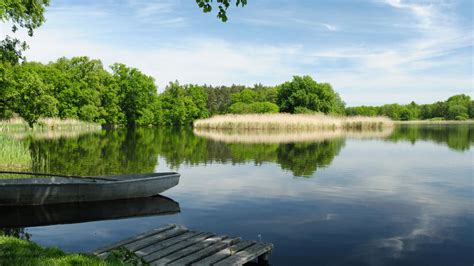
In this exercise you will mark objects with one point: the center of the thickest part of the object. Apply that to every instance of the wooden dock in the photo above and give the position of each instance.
(176, 245)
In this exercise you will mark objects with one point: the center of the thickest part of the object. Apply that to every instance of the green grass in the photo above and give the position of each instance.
(14, 154)
(14, 251)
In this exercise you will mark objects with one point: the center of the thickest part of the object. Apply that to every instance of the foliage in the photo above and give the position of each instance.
(306, 93)
(222, 5)
(457, 107)
(253, 108)
(24, 14)
(181, 105)
(136, 93)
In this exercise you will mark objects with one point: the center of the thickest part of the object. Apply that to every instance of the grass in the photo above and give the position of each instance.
(292, 122)
(18, 124)
(14, 154)
(288, 136)
(14, 251)
(434, 122)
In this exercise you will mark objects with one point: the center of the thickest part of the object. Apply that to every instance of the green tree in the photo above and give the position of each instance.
(307, 93)
(457, 112)
(31, 98)
(136, 93)
(23, 14)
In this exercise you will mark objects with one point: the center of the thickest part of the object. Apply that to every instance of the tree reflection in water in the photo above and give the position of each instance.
(137, 150)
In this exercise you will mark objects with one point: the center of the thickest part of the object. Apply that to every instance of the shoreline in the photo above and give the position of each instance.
(434, 122)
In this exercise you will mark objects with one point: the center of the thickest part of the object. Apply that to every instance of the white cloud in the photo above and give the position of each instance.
(210, 61)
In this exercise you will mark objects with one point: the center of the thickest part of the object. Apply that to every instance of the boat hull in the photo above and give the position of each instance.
(41, 192)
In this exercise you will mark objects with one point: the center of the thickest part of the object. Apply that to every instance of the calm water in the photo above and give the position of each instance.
(402, 199)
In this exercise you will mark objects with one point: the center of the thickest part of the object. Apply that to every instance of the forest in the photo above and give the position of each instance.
(82, 88)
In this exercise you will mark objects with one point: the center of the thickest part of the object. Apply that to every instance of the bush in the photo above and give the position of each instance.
(253, 108)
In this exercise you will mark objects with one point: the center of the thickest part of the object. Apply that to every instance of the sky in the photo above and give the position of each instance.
(371, 52)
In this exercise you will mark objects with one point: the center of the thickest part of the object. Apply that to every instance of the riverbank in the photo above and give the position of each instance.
(292, 122)
(14, 251)
(434, 122)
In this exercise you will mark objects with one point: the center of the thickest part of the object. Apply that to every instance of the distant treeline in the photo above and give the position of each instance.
(81, 88)
(457, 107)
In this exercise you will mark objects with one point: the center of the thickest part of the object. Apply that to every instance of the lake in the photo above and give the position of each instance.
(405, 197)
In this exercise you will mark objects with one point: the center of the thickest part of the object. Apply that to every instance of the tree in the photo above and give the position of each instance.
(24, 14)
(31, 98)
(222, 5)
(457, 112)
(306, 93)
(136, 92)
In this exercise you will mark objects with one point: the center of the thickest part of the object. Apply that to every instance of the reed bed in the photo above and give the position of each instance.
(285, 136)
(304, 122)
(14, 155)
(18, 124)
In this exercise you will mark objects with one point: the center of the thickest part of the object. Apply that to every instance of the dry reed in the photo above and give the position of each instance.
(18, 124)
(305, 122)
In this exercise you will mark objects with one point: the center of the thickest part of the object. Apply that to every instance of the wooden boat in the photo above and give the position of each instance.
(40, 189)
(67, 213)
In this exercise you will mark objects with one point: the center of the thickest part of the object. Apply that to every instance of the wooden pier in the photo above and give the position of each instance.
(176, 245)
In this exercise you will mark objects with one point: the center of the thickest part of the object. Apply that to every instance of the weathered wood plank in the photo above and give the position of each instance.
(134, 238)
(208, 251)
(246, 255)
(165, 243)
(188, 250)
(181, 245)
(144, 242)
(224, 253)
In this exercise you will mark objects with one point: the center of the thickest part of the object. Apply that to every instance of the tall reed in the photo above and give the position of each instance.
(292, 122)
(18, 124)
(14, 154)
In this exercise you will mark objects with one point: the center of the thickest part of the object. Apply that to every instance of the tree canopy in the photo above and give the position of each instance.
(304, 95)
(27, 14)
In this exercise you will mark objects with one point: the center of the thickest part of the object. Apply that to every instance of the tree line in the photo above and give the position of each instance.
(81, 88)
(457, 107)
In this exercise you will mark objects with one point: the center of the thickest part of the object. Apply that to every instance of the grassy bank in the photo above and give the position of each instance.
(291, 122)
(47, 124)
(435, 122)
(14, 251)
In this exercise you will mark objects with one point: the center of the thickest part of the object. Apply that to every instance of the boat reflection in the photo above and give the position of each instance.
(29, 216)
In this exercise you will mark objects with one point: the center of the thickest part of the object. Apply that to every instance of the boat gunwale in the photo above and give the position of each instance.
(89, 180)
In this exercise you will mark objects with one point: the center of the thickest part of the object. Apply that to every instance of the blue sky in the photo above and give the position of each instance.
(372, 52)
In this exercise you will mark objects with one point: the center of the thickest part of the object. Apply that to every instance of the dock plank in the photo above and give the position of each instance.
(144, 242)
(208, 251)
(165, 243)
(176, 245)
(246, 255)
(225, 253)
(181, 245)
(134, 238)
(188, 250)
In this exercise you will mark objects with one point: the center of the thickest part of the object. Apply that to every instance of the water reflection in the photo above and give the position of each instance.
(133, 151)
(28, 216)
(457, 137)
(405, 198)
